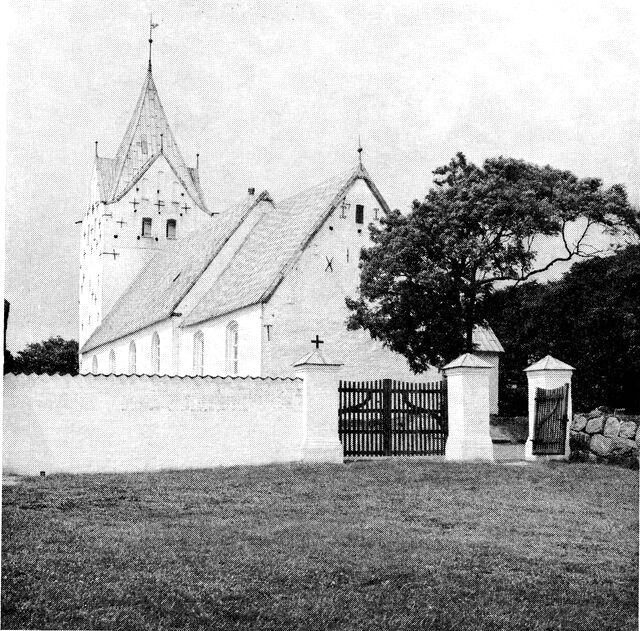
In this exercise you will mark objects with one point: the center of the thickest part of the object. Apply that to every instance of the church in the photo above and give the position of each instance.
(167, 287)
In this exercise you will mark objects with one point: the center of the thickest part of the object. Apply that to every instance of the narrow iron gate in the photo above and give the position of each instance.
(550, 428)
(392, 418)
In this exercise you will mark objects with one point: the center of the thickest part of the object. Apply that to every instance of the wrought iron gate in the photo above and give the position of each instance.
(392, 418)
(550, 428)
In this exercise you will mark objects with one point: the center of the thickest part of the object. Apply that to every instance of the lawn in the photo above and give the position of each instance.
(367, 545)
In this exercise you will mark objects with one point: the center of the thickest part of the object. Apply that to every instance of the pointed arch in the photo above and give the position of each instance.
(198, 353)
(112, 362)
(132, 358)
(231, 354)
(94, 365)
(155, 353)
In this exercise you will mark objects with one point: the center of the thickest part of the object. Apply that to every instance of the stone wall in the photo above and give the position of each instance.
(116, 423)
(606, 436)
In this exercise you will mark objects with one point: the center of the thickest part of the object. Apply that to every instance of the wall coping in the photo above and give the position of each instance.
(124, 375)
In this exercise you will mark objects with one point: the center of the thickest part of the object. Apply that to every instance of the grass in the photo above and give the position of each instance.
(368, 545)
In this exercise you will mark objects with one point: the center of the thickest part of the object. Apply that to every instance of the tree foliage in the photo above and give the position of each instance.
(55, 355)
(589, 319)
(425, 278)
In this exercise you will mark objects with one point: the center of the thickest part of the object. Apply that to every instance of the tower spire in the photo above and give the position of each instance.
(151, 27)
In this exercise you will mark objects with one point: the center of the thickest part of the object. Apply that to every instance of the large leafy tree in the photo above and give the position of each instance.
(425, 278)
(590, 318)
(55, 355)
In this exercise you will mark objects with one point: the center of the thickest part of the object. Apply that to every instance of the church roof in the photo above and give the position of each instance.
(273, 247)
(169, 276)
(147, 137)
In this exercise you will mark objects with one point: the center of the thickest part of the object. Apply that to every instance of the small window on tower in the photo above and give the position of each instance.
(143, 146)
(171, 228)
(359, 213)
(146, 227)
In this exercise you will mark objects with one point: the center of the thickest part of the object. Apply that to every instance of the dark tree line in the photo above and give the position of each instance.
(590, 319)
(55, 355)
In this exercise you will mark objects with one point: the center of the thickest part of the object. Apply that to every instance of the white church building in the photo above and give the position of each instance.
(169, 288)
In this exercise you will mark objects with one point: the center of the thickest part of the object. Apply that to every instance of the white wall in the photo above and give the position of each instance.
(103, 424)
(311, 300)
(215, 332)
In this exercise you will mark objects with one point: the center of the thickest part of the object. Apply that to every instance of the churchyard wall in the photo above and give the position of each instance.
(109, 423)
(604, 436)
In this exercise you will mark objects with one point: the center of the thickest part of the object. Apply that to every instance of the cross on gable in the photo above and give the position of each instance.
(159, 204)
(317, 341)
(185, 207)
(135, 203)
(121, 222)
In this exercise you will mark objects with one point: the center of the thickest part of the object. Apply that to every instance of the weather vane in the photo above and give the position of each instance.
(151, 27)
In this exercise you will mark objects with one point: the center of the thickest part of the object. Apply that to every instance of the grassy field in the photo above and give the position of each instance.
(368, 545)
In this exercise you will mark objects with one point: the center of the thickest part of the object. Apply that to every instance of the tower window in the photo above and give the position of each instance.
(359, 213)
(146, 227)
(171, 228)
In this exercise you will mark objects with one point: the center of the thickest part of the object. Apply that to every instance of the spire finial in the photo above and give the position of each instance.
(359, 150)
(151, 27)
(96, 148)
(161, 143)
(197, 161)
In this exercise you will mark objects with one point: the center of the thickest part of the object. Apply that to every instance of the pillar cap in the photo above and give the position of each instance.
(548, 363)
(315, 358)
(468, 360)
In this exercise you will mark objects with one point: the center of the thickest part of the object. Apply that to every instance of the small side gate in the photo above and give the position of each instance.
(392, 418)
(550, 428)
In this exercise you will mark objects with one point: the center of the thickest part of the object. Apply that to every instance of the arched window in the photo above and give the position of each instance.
(144, 187)
(132, 358)
(232, 348)
(171, 228)
(112, 362)
(160, 182)
(94, 365)
(155, 354)
(198, 353)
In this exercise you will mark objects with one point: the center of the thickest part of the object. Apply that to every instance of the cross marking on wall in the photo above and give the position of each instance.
(135, 203)
(121, 222)
(268, 327)
(159, 204)
(317, 342)
(185, 207)
(329, 266)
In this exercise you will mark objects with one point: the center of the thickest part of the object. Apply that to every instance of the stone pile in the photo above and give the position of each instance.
(602, 436)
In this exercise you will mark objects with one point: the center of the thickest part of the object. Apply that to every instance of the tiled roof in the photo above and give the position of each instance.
(485, 340)
(549, 363)
(142, 144)
(468, 360)
(169, 276)
(105, 169)
(273, 246)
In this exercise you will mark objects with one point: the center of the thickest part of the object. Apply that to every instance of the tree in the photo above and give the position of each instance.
(54, 355)
(425, 278)
(590, 319)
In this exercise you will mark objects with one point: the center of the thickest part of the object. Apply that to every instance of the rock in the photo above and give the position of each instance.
(579, 422)
(622, 446)
(595, 425)
(627, 429)
(579, 441)
(612, 427)
(599, 411)
(601, 445)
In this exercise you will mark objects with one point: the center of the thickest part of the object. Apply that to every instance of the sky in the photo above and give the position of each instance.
(274, 95)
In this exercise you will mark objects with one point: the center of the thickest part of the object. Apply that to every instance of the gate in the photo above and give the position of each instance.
(550, 428)
(392, 418)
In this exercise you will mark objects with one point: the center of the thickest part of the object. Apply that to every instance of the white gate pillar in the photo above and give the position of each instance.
(548, 373)
(468, 406)
(320, 401)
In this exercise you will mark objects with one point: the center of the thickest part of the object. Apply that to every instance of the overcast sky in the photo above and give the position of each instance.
(274, 94)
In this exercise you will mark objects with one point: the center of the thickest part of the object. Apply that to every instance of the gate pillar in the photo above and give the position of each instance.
(548, 373)
(320, 402)
(468, 405)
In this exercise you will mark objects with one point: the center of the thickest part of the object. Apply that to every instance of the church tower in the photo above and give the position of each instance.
(144, 200)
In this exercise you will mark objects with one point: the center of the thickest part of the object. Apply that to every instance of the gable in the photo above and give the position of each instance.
(274, 245)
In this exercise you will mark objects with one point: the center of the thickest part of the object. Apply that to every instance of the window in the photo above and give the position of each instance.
(160, 181)
(232, 348)
(171, 228)
(198, 353)
(144, 185)
(94, 365)
(359, 213)
(155, 354)
(112, 362)
(132, 358)
(143, 146)
(146, 227)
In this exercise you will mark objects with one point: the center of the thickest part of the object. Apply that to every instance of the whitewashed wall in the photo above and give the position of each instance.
(107, 423)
